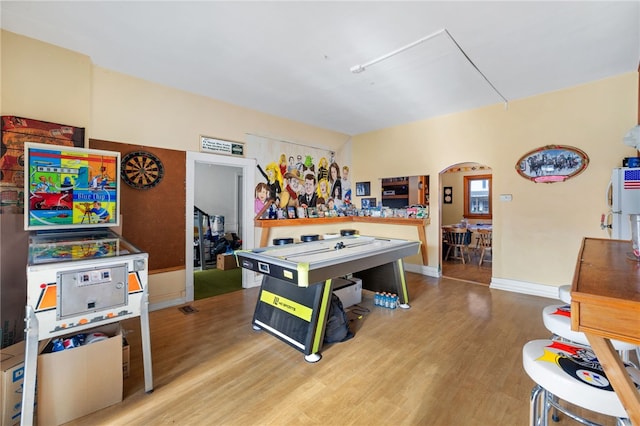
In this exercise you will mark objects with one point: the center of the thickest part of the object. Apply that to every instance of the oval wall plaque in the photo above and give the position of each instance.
(552, 163)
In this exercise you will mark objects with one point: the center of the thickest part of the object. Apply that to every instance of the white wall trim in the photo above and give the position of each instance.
(429, 271)
(248, 233)
(523, 287)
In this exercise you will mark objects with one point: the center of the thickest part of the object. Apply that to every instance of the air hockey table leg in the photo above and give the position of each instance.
(311, 358)
(389, 277)
(323, 316)
(402, 284)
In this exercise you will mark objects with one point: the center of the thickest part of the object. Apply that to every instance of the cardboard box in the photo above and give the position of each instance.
(125, 358)
(12, 363)
(75, 382)
(349, 291)
(226, 261)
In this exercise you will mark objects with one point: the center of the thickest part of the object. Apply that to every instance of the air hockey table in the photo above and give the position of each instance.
(298, 280)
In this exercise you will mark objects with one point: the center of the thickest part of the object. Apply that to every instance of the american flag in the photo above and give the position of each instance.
(632, 179)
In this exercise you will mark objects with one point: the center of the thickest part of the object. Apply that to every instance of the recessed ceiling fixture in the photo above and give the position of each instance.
(356, 69)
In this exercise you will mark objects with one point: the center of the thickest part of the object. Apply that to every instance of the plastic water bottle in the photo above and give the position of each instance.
(387, 300)
(394, 301)
(376, 299)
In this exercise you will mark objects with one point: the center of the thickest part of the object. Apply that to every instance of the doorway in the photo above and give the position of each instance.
(454, 201)
(236, 189)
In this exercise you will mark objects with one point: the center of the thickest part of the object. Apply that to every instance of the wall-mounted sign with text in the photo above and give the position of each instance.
(219, 146)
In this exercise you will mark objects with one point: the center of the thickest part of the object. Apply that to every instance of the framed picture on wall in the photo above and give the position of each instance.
(447, 195)
(552, 163)
(368, 203)
(291, 212)
(363, 189)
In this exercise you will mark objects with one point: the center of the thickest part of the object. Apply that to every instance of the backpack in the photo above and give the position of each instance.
(337, 329)
(220, 246)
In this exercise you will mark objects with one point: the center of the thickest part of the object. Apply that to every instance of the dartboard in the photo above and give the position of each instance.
(141, 170)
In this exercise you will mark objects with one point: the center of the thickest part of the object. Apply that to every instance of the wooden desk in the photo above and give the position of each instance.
(267, 224)
(605, 304)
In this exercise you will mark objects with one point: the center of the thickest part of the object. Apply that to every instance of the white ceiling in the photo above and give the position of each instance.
(293, 59)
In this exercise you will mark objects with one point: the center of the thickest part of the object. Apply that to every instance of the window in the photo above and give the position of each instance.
(477, 197)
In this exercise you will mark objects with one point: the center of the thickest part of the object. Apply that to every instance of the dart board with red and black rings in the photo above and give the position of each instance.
(141, 170)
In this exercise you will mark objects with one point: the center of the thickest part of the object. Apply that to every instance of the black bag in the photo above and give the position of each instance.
(220, 246)
(337, 329)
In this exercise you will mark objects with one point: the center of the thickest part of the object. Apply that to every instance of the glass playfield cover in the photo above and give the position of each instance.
(67, 245)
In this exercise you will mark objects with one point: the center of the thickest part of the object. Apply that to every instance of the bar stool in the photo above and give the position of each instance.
(564, 294)
(571, 373)
(557, 319)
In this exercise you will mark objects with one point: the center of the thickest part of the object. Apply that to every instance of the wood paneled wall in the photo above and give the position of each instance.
(153, 219)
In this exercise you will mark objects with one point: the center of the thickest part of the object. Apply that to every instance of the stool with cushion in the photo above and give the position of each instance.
(564, 294)
(557, 319)
(570, 372)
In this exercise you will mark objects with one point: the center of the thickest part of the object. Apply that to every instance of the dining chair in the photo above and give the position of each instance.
(458, 239)
(484, 242)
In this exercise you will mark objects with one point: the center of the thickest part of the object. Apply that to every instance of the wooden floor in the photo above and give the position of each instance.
(469, 271)
(454, 358)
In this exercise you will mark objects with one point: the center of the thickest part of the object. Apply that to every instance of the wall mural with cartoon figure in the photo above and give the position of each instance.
(300, 181)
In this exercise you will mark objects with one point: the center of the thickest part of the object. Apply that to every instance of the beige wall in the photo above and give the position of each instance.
(48, 83)
(538, 234)
(44, 82)
(128, 109)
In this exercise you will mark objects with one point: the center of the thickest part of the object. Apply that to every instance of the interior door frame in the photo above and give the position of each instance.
(248, 230)
(440, 202)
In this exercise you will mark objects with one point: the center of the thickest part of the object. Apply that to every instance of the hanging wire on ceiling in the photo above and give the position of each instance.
(356, 69)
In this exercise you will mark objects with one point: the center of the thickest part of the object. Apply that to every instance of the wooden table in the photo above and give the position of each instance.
(605, 304)
(267, 224)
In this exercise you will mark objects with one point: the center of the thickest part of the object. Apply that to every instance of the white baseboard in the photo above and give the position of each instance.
(523, 287)
(429, 271)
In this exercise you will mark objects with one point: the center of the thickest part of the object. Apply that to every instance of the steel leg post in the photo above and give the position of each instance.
(146, 342)
(30, 367)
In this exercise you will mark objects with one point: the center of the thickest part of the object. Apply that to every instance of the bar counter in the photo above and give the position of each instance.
(605, 304)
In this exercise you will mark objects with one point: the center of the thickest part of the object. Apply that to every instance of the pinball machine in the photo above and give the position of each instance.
(80, 273)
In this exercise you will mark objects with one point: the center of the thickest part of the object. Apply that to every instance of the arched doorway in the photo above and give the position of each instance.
(465, 196)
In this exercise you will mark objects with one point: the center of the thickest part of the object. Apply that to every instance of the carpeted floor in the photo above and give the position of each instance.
(213, 282)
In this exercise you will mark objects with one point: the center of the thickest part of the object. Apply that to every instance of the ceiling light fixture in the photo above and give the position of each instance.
(356, 69)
